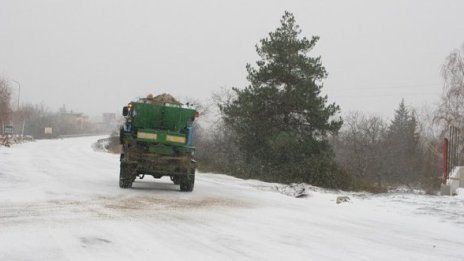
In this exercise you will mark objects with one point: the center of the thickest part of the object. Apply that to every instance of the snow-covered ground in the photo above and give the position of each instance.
(60, 200)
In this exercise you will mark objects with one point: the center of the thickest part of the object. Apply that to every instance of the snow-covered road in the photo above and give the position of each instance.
(60, 200)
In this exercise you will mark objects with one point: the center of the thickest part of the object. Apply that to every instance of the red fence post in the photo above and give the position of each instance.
(445, 160)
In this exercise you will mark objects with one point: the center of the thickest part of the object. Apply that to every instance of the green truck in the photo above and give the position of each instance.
(156, 140)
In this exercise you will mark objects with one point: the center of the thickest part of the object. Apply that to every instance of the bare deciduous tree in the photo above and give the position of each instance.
(451, 109)
(5, 98)
(359, 145)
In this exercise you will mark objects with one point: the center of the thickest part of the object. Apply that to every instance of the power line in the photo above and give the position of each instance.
(332, 96)
(388, 87)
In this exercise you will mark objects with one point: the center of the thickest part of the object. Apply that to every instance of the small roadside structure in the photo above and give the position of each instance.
(8, 132)
(453, 182)
(453, 169)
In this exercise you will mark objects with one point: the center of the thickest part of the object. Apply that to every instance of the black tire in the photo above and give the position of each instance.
(187, 182)
(121, 135)
(126, 176)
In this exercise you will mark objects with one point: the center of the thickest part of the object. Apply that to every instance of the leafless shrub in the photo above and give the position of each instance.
(359, 145)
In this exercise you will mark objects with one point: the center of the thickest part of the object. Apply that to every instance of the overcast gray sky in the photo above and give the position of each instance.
(95, 56)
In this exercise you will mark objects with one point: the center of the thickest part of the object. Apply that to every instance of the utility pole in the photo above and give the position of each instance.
(19, 92)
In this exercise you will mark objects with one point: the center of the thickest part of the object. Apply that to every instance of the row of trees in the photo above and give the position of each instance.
(388, 154)
(280, 128)
(32, 119)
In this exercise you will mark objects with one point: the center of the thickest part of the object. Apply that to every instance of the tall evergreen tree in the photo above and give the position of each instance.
(402, 142)
(281, 120)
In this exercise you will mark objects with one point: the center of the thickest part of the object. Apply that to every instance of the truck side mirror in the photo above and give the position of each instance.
(125, 111)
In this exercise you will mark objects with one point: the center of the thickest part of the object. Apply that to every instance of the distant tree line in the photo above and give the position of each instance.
(388, 154)
(31, 120)
(35, 118)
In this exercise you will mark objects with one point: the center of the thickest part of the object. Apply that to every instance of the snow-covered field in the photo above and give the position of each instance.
(60, 200)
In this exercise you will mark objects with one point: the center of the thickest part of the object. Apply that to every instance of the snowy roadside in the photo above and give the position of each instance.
(60, 200)
(8, 140)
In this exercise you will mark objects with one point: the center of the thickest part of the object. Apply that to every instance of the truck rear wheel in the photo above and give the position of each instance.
(187, 182)
(126, 176)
